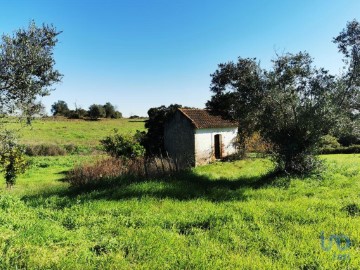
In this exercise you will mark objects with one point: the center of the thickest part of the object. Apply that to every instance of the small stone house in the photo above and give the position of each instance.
(195, 137)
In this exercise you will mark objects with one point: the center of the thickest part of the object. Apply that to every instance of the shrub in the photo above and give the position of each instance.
(300, 164)
(111, 112)
(12, 161)
(124, 146)
(108, 170)
(328, 141)
(349, 139)
(77, 114)
(96, 111)
(88, 174)
(354, 149)
(256, 144)
(45, 150)
(60, 108)
(57, 150)
(153, 140)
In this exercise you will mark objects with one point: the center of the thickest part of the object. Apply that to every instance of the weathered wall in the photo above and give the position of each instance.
(205, 144)
(179, 139)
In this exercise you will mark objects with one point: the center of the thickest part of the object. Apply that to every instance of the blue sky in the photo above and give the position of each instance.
(142, 54)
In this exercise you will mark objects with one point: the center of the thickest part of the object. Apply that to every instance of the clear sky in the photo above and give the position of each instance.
(139, 54)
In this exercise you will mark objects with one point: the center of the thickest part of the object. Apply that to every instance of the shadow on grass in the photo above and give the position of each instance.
(186, 185)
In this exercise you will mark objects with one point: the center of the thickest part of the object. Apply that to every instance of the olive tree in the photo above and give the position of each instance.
(294, 103)
(297, 109)
(26, 73)
(348, 90)
(238, 91)
(96, 111)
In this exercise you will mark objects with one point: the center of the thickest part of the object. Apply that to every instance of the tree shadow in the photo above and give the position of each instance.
(183, 186)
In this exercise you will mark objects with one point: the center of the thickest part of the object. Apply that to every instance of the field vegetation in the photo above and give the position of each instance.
(80, 133)
(228, 215)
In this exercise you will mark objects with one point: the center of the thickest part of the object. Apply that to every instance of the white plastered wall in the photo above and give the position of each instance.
(204, 138)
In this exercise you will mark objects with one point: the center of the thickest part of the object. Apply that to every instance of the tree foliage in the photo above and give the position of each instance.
(348, 42)
(297, 110)
(123, 146)
(153, 140)
(111, 112)
(27, 72)
(12, 158)
(293, 104)
(60, 108)
(78, 113)
(27, 68)
(96, 111)
(238, 89)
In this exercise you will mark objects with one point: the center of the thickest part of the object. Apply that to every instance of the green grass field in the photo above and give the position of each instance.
(79, 132)
(227, 215)
(220, 216)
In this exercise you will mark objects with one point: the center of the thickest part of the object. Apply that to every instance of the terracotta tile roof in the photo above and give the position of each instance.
(203, 119)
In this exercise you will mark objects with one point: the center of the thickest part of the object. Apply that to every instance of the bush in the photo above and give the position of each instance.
(84, 175)
(45, 150)
(349, 139)
(96, 111)
(77, 114)
(57, 150)
(256, 144)
(12, 161)
(328, 141)
(108, 170)
(116, 115)
(300, 164)
(124, 146)
(354, 149)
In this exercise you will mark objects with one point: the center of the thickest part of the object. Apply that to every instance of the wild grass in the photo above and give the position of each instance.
(221, 216)
(83, 134)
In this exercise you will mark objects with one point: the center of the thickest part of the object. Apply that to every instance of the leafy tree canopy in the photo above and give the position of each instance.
(293, 104)
(96, 111)
(60, 108)
(123, 146)
(153, 140)
(26, 73)
(111, 112)
(27, 68)
(238, 89)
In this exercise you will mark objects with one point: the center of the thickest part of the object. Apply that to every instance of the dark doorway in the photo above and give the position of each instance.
(218, 151)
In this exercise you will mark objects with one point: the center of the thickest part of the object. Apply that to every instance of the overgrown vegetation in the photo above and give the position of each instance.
(294, 104)
(55, 150)
(221, 216)
(95, 111)
(123, 146)
(12, 158)
(27, 72)
(153, 139)
(115, 171)
(72, 136)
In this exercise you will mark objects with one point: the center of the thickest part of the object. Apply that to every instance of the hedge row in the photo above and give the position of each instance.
(353, 149)
(56, 150)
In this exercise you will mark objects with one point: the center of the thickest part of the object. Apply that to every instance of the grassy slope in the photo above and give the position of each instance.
(78, 132)
(221, 216)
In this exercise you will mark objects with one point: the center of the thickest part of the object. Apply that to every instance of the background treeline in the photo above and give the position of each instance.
(95, 111)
